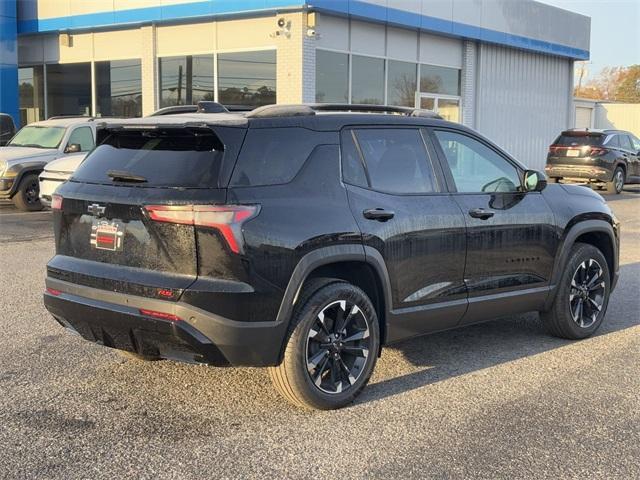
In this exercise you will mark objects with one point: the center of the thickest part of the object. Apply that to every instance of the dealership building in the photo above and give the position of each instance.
(502, 67)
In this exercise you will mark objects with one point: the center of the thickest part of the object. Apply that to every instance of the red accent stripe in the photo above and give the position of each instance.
(103, 239)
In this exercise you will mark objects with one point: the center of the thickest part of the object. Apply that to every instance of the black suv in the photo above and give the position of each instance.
(602, 158)
(7, 128)
(303, 240)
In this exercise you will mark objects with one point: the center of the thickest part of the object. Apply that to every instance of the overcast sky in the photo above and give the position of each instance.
(615, 30)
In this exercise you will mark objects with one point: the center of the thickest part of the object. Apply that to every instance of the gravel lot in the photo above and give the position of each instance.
(498, 400)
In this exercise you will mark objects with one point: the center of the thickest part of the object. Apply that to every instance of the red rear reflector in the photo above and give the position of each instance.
(53, 291)
(160, 315)
(56, 202)
(227, 219)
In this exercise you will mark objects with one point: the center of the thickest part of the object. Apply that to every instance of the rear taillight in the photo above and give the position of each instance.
(227, 219)
(54, 292)
(597, 151)
(56, 202)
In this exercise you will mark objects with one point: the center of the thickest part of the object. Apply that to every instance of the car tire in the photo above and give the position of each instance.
(582, 297)
(332, 346)
(617, 181)
(27, 197)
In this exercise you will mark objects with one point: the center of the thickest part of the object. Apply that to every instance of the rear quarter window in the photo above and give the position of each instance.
(274, 156)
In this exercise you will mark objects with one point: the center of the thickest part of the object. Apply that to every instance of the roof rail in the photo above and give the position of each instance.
(59, 117)
(270, 111)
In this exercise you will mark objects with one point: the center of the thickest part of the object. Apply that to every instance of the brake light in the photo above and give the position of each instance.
(160, 315)
(596, 151)
(227, 219)
(56, 202)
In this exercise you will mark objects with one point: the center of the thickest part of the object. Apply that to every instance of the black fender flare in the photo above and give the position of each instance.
(328, 255)
(578, 229)
(31, 168)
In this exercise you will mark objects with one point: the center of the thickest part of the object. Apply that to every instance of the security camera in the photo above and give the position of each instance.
(311, 32)
(281, 22)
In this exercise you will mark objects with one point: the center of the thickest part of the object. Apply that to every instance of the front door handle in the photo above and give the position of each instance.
(379, 214)
(481, 213)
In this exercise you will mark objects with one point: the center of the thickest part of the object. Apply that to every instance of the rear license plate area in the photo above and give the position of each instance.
(573, 152)
(107, 235)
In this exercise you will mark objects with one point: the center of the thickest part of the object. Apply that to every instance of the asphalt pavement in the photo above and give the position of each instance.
(497, 400)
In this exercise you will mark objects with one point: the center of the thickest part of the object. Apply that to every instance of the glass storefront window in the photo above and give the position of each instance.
(119, 88)
(247, 78)
(185, 80)
(449, 109)
(69, 89)
(367, 80)
(402, 83)
(439, 80)
(332, 77)
(31, 88)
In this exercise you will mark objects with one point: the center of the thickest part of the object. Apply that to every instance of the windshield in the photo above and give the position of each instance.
(39, 137)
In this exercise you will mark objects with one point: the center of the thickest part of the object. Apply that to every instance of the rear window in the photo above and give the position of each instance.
(575, 140)
(179, 158)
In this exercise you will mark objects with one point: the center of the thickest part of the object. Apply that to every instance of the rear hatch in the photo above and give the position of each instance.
(576, 147)
(125, 220)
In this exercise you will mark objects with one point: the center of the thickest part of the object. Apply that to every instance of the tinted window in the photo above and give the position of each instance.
(173, 159)
(6, 124)
(119, 88)
(435, 79)
(475, 167)
(352, 167)
(402, 83)
(569, 140)
(272, 156)
(247, 78)
(625, 143)
(367, 80)
(332, 77)
(185, 80)
(396, 160)
(83, 137)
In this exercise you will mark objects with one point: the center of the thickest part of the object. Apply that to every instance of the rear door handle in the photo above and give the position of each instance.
(379, 214)
(481, 213)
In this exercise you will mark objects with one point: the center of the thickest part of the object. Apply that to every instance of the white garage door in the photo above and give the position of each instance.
(523, 100)
(583, 117)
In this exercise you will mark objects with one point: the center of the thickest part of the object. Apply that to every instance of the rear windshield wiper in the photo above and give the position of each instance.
(122, 176)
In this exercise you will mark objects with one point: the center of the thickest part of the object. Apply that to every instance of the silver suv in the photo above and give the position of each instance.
(33, 147)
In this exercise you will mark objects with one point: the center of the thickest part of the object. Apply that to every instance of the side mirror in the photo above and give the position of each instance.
(534, 181)
(73, 148)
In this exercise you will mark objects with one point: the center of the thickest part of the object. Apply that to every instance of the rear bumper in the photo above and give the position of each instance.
(114, 320)
(579, 173)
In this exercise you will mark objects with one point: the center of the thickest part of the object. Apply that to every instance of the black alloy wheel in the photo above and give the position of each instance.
(338, 345)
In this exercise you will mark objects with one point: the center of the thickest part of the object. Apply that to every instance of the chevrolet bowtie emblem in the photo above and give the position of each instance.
(96, 210)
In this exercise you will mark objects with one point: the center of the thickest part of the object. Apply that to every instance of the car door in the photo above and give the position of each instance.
(511, 239)
(630, 153)
(397, 194)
